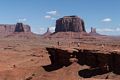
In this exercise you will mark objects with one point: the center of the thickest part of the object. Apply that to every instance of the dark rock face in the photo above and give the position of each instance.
(93, 30)
(100, 62)
(70, 23)
(48, 30)
(10, 28)
(19, 27)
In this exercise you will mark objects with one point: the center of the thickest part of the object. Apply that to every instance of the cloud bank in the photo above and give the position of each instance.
(52, 12)
(107, 20)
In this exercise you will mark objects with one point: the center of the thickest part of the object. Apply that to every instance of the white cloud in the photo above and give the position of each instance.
(52, 29)
(42, 30)
(109, 29)
(53, 18)
(22, 20)
(39, 30)
(51, 15)
(118, 29)
(107, 20)
(52, 12)
(48, 17)
(105, 30)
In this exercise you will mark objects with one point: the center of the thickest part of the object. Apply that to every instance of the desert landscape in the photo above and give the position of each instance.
(69, 53)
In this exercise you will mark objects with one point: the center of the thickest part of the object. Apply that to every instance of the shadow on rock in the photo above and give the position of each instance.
(88, 73)
(50, 68)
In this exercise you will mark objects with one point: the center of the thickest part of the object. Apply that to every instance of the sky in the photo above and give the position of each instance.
(104, 15)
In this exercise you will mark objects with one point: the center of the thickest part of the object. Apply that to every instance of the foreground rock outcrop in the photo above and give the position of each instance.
(99, 62)
(70, 23)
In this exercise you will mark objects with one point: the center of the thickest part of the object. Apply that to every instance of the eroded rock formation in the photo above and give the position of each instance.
(47, 34)
(93, 31)
(70, 23)
(19, 27)
(96, 59)
(10, 28)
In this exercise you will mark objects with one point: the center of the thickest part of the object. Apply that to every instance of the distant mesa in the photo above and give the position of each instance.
(70, 23)
(10, 28)
(17, 31)
(19, 27)
(71, 27)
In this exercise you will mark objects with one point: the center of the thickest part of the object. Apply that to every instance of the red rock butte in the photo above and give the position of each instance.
(70, 23)
(10, 28)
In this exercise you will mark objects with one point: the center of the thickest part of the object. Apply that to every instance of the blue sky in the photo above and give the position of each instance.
(40, 14)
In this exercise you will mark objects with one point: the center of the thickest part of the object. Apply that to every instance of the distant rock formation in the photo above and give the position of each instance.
(93, 31)
(47, 34)
(19, 27)
(70, 23)
(48, 30)
(10, 28)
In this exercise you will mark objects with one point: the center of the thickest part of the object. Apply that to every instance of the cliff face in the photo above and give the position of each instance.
(19, 27)
(70, 23)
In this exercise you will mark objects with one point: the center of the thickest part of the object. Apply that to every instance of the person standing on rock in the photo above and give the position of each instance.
(78, 44)
(58, 43)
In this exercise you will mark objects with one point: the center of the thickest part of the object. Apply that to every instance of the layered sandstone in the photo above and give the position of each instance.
(70, 23)
(10, 28)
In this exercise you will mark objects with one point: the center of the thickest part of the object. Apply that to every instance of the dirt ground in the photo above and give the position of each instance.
(23, 59)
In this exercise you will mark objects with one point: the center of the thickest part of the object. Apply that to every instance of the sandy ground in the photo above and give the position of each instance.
(22, 59)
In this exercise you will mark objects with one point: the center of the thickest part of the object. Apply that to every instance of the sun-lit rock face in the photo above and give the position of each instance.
(70, 23)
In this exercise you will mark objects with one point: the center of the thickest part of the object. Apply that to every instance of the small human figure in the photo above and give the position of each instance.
(78, 44)
(102, 46)
(58, 43)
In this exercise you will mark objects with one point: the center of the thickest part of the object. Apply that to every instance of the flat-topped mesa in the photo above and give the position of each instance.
(70, 23)
(10, 28)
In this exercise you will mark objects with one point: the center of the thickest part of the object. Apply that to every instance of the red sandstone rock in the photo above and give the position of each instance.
(10, 28)
(47, 34)
(93, 31)
(70, 23)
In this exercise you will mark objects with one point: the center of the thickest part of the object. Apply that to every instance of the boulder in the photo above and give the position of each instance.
(70, 23)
